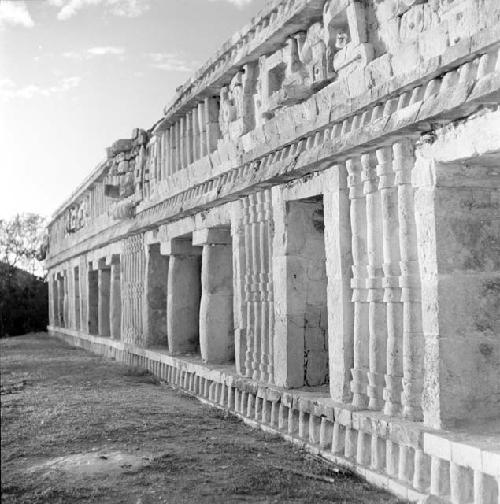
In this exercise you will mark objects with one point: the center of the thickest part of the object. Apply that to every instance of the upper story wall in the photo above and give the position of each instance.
(296, 64)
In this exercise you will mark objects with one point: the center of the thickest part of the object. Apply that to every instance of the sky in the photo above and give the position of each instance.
(76, 75)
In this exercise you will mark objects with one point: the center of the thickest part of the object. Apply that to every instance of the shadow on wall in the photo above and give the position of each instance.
(23, 302)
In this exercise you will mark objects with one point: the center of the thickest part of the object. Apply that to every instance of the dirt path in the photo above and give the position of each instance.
(80, 428)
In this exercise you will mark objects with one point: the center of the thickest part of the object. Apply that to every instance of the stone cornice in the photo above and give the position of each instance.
(404, 106)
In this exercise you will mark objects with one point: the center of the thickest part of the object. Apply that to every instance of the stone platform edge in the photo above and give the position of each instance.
(402, 457)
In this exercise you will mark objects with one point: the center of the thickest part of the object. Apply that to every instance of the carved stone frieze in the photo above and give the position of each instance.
(236, 104)
(330, 49)
(77, 215)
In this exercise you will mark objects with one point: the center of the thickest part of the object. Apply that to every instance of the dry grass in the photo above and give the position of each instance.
(60, 400)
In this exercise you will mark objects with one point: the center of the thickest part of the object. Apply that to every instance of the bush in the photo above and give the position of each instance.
(23, 302)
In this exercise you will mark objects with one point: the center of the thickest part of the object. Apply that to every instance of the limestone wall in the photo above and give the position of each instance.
(318, 208)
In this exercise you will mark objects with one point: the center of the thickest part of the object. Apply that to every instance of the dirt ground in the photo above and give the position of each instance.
(80, 428)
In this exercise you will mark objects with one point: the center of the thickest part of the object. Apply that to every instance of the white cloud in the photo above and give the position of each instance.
(15, 13)
(73, 55)
(106, 51)
(124, 8)
(94, 52)
(237, 3)
(171, 61)
(8, 89)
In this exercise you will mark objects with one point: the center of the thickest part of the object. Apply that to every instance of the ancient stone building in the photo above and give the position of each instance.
(309, 236)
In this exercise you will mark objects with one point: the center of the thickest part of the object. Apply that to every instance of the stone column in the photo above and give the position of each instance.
(247, 286)
(104, 280)
(157, 152)
(216, 311)
(254, 279)
(153, 146)
(359, 372)
(196, 133)
(263, 283)
(178, 151)
(183, 143)
(189, 138)
(239, 307)
(171, 153)
(183, 296)
(268, 217)
(166, 168)
(338, 263)
(115, 309)
(413, 341)
(212, 123)
(392, 291)
(203, 129)
(376, 309)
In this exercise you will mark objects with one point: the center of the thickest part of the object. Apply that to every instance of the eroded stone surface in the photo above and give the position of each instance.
(319, 204)
(97, 462)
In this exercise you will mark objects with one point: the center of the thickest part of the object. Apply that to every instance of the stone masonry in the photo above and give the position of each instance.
(309, 237)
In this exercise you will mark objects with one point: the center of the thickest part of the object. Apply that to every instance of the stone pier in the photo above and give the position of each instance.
(216, 304)
(183, 298)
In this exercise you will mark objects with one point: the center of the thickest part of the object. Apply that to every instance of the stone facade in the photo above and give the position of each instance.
(309, 237)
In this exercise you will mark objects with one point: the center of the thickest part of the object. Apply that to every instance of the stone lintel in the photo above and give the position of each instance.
(212, 236)
(113, 259)
(103, 262)
(179, 247)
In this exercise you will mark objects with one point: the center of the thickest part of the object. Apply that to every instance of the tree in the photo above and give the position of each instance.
(23, 293)
(20, 241)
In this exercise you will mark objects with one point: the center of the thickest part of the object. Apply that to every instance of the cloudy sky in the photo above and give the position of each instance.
(75, 75)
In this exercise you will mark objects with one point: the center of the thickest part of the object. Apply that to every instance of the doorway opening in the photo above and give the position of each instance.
(76, 283)
(308, 306)
(93, 297)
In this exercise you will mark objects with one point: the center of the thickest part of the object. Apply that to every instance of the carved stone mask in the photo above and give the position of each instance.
(341, 40)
